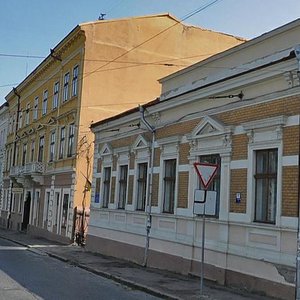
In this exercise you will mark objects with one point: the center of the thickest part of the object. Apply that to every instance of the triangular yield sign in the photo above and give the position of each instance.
(206, 172)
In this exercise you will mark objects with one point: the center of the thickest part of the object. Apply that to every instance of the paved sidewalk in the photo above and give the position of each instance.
(159, 283)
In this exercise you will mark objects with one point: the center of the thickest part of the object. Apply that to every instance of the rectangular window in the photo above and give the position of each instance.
(41, 149)
(45, 102)
(123, 186)
(35, 108)
(32, 151)
(27, 114)
(99, 165)
(141, 186)
(66, 86)
(55, 95)
(215, 184)
(62, 142)
(75, 81)
(24, 154)
(52, 146)
(17, 156)
(266, 185)
(169, 185)
(97, 190)
(20, 119)
(71, 140)
(106, 186)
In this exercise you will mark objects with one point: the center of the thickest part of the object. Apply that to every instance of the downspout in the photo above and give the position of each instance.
(14, 151)
(149, 198)
(297, 53)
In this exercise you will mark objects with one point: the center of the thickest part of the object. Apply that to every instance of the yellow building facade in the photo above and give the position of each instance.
(99, 69)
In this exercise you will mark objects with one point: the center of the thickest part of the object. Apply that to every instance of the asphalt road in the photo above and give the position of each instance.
(27, 275)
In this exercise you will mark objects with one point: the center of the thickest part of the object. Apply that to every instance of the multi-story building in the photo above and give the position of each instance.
(3, 135)
(239, 109)
(99, 69)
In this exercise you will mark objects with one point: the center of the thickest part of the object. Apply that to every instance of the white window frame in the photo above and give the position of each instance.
(103, 186)
(62, 142)
(35, 108)
(66, 87)
(118, 190)
(71, 140)
(164, 185)
(45, 102)
(263, 134)
(27, 117)
(75, 81)
(52, 147)
(55, 95)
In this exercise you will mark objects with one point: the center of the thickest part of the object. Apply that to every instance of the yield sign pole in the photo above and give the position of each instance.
(206, 173)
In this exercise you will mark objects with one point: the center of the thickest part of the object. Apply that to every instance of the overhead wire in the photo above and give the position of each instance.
(187, 16)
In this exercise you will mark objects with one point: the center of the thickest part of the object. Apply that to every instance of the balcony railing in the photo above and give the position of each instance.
(28, 169)
(34, 167)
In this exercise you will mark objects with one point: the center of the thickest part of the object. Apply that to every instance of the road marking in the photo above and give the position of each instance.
(12, 248)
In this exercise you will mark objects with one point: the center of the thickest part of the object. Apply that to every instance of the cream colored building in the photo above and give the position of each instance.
(239, 109)
(4, 118)
(99, 69)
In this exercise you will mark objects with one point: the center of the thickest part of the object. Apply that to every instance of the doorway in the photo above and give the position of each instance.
(26, 211)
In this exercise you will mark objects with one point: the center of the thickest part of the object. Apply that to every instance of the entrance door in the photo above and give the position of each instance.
(26, 211)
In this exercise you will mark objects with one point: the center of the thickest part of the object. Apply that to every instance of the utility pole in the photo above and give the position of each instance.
(149, 198)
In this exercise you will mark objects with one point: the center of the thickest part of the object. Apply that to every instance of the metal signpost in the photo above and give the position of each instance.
(206, 173)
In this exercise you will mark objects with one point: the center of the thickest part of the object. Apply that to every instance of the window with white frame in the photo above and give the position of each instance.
(215, 184)
(45, 102)
(266, 165)
(142, 185)
(32, 151)
(35, 108)
(24, 154)
(169, 185)
(17, 155)
(55, 95)
(75, 81)
(97, 190)
(123, 186)
(52, 145)
(20, 119)
(41, 149)
(66, 86)
(27, 114)
(71, 140)
(106, 186)
(62, 142)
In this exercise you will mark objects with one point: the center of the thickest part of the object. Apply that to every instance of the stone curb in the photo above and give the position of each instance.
(107, 275)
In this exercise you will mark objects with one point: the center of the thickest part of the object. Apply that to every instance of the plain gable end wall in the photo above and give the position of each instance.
(250, 51)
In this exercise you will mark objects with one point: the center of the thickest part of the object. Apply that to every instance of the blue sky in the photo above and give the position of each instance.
(32, 27)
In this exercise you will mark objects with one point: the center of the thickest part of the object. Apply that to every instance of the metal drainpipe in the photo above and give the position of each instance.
(14, 153)
(297, 53)
(149, 198)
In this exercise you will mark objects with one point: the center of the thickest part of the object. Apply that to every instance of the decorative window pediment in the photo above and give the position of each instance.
(106, 150)
(216, 135)
(140, 143)
(24, 134)
(208, 127)
(40, 127)
(31, 131)
(51, 121)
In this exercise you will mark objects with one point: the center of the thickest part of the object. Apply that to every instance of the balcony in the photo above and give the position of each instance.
(16, 171)
(30, 172)
(28, 169)
(33, 168)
